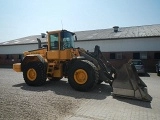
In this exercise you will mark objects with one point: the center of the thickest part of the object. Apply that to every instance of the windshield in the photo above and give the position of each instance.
(67, 40)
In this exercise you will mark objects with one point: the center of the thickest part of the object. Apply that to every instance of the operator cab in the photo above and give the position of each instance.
(61, 40)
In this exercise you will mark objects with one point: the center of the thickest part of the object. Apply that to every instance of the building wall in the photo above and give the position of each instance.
(148, 62)
(9, 59)
(17, 49)
(10, 54)
(127, 47)
(121, 45)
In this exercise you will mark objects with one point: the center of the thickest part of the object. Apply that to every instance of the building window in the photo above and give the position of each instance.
(112, 56)
(140, 55)
(118, 55)
(136, 55)
(7, 57)
(143, 55)
(19, 56)
(157, 55)
(115, 55)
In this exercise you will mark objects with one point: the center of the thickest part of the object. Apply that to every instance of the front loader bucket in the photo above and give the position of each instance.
(128, 84)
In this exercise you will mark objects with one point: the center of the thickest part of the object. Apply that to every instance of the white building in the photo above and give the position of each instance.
(118, 44)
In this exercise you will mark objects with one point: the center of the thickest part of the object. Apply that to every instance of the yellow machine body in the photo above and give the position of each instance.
(52, 56)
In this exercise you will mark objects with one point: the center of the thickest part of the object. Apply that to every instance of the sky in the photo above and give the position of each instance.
(21, 18)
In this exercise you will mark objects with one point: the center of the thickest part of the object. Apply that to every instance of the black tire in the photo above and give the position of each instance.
(99, 81)
(91, 77)
(37, 68)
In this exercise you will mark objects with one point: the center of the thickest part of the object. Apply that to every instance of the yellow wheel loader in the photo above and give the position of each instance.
(84, 70)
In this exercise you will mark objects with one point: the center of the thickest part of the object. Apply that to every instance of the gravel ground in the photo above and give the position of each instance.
(56, 100)
(19, 101)
(53, 101)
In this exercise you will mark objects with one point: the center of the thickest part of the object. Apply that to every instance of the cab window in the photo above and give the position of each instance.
(54, 41)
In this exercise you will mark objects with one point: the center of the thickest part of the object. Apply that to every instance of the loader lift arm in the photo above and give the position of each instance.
(105, 64)
(103, 69)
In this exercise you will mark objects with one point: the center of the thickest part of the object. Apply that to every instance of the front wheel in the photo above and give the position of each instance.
(34, 74)
(83, 76)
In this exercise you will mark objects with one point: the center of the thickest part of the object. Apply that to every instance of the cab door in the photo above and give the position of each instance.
(53, 52)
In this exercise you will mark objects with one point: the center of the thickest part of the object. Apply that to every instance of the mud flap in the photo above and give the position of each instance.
(128, 84)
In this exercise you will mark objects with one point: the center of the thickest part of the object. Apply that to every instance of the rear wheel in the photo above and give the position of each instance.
(34, 74)
(83, 76)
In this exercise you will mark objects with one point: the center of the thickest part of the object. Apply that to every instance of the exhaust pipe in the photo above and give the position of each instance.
(39, 43)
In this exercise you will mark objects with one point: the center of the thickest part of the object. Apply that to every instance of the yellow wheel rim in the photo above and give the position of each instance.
(80, 76)
(31, 74)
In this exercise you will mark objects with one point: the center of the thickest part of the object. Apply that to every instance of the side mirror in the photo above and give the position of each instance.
(39, 43)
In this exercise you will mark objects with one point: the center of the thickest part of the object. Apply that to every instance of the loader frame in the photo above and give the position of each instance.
(84, 70)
